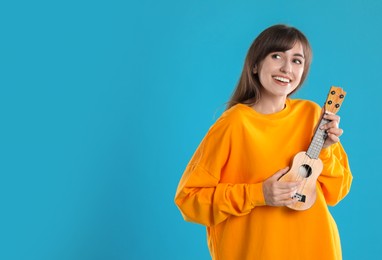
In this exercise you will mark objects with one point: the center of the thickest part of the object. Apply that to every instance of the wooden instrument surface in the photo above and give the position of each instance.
(306, 166)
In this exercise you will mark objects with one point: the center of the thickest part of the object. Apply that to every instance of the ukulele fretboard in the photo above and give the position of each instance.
(317, 141)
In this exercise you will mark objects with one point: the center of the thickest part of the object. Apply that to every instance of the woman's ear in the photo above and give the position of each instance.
(255, 70)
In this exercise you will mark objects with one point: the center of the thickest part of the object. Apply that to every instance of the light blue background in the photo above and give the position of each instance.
(103, 103)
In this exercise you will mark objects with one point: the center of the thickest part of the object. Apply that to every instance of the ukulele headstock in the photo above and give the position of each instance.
(334, 100)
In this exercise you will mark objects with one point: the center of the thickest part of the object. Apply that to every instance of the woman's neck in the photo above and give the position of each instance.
(269, 106)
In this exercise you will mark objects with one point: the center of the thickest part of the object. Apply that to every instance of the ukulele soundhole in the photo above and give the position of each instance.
(305, 171)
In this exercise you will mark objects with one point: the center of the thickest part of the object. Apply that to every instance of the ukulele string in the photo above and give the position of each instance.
(300, 178)
(316, 147)
(306, 172)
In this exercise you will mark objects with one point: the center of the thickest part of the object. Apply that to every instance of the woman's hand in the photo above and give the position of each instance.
(332, 129)
(277, 193)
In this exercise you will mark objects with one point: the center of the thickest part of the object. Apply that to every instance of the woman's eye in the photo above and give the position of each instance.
(276, 56)
(297, 61)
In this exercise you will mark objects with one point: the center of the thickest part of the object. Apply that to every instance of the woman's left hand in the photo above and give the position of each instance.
(332, 129)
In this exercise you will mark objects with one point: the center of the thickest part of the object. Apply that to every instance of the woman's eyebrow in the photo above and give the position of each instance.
(299, 55)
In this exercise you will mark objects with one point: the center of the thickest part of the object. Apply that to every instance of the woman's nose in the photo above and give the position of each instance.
(286, 67)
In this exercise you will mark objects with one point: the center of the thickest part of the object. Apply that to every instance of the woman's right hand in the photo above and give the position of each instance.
(277, 193)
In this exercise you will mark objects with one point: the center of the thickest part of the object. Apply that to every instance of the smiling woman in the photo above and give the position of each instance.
(279, 74)
(231, 185)
(279, 43)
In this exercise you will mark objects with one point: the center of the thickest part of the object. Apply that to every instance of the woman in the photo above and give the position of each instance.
(231, 183)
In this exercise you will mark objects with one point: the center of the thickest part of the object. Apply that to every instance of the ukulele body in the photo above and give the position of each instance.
(306, 170)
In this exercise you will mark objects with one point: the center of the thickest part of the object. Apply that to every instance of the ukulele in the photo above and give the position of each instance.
(306, 166)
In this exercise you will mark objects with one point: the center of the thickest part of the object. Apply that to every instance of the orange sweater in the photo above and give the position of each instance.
(221, 187)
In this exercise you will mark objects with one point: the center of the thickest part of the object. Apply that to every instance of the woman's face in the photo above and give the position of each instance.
(280, 72)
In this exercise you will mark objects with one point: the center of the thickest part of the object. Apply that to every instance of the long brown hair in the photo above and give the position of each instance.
(275, 38)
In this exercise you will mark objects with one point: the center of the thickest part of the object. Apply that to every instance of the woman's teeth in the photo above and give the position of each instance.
(282, 79)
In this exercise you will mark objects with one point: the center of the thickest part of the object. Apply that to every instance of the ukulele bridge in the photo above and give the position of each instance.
(299, 197)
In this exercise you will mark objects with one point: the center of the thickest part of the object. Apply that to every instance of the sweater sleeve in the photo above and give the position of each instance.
(336, 177)
(201, 196)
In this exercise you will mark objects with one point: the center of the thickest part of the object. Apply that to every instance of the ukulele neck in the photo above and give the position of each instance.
(332, 104)
(318, 140)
